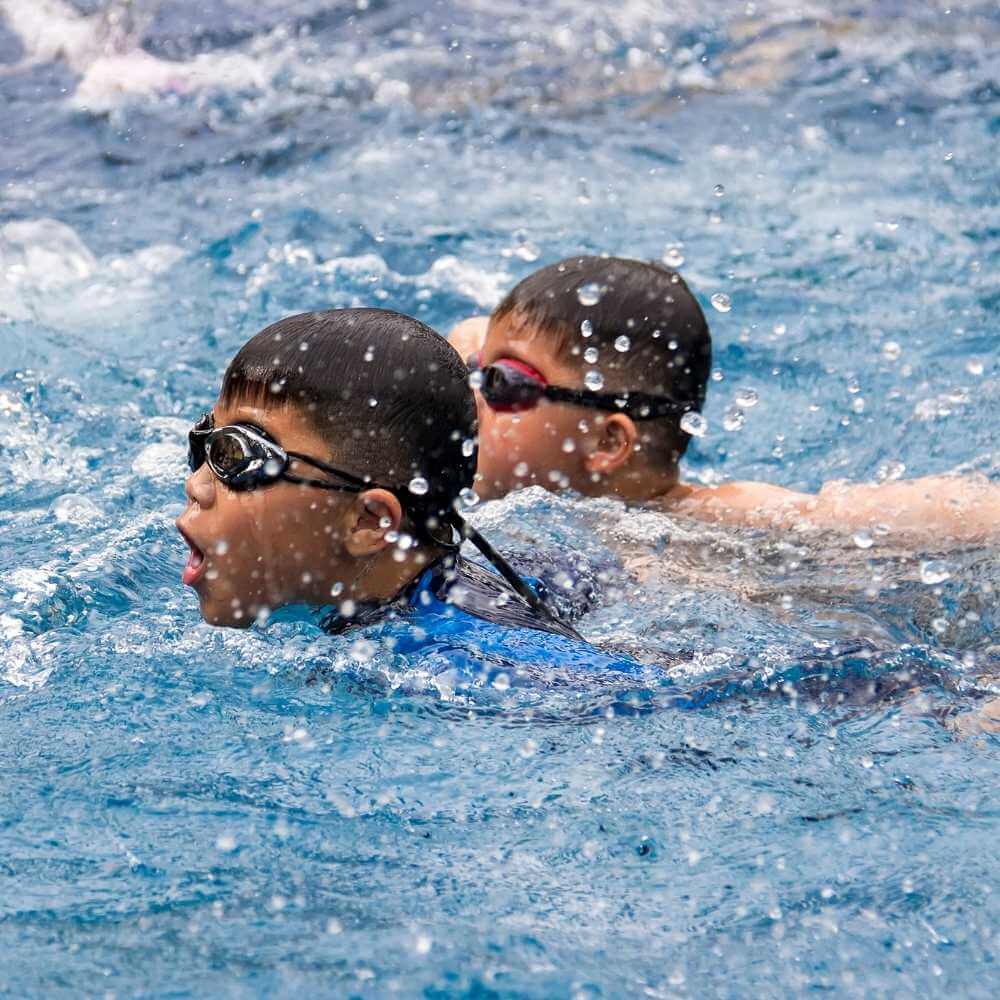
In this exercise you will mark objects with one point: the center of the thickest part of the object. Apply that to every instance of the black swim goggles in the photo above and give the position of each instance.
(511, 386)
(245, 457)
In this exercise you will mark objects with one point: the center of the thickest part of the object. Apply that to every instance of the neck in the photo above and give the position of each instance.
(635, 485)
(381, 579)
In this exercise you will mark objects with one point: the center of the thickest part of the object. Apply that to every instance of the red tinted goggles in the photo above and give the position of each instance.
(511, 386)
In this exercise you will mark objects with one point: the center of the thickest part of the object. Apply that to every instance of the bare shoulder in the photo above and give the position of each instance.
(468, 336)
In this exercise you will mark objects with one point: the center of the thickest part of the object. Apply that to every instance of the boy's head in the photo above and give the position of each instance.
(605, 325)
(377, 414)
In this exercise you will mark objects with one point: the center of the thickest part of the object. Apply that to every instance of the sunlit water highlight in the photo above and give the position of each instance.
(801, 793)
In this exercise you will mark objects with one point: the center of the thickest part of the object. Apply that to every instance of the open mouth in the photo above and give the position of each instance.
(194, 568)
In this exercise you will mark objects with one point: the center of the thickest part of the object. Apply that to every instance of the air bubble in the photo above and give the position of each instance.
(779, 329)
(719, 191)
(622, 344)
(476, 378)
(593, 380)
(974, 367)
(721, 302)
(863, 539)
(337, 589)
(934, 571)
(468, 498)
(273, 468)
(590, 355)
(586, 328)
(694, 424)
(747, 397)
(891, 350)
(419, 486)
(673, 255)
(734, 419)
(589, 294)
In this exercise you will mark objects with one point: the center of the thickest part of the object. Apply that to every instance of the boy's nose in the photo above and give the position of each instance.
(200, 487)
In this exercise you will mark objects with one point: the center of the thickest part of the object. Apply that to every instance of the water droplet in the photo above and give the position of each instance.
(337, 589)
(673, 255)
(974, 367)
(694, 424)
(334, 926)
(721, 302)
(586, 328)
(747, 397)
(521, 470)
(272, 468)
(501, 682)
(590, 355)
(568, 445)
(419, 486)
(622, 344)
(221, 547)
(779, 329)
(529, 748)
(934, 571)
(468, 447)
(889, 470)
(468, 498)
(589, 294)
(863, 539)
(593, 380)
(719, 191)
(476, 378)
(891, 350)
(372, 401)
(734, 419)
(422, 944)
(226, 843)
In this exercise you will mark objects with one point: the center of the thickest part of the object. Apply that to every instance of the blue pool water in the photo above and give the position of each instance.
(800, 796)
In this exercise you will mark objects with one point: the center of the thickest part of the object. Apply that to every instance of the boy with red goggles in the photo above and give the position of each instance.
(591, 373)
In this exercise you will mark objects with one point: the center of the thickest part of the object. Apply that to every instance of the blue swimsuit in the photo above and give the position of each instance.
(468, 620)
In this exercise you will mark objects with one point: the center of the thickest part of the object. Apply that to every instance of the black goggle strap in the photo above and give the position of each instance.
(466, 531)
(638, 405)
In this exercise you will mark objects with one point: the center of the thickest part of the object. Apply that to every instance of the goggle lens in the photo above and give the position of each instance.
(228, 453)
(510, 386)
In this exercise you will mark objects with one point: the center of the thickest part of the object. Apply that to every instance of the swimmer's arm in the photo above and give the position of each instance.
(932, 509)
(468, 336)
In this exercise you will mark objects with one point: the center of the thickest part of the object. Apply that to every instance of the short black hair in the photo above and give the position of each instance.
(388, 393)
(646, 326)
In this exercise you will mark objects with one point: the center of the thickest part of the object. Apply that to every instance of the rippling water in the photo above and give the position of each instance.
(800, 795)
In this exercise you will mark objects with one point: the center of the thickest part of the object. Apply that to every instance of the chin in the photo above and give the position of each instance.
(223, 616)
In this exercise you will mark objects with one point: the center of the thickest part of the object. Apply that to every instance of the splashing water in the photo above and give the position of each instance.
(803, 783)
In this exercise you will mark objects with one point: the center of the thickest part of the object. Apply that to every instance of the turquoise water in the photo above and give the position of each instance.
(801, 794)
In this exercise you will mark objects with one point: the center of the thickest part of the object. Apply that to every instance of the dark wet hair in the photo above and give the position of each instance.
(669, 348)
(388, 393)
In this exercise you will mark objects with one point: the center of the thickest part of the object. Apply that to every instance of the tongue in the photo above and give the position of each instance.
(193, 566)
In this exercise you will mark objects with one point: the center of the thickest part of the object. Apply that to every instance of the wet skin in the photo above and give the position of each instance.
(254, 551)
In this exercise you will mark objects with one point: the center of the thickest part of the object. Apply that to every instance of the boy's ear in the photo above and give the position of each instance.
(368, 520)
(614, 446)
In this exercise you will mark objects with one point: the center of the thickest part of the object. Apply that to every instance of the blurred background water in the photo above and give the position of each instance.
(800, 796)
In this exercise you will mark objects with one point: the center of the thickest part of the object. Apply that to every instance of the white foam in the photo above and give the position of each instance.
(48, 273)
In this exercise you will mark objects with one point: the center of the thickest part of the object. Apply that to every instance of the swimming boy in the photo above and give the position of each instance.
(588, 372)
(328, 473)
